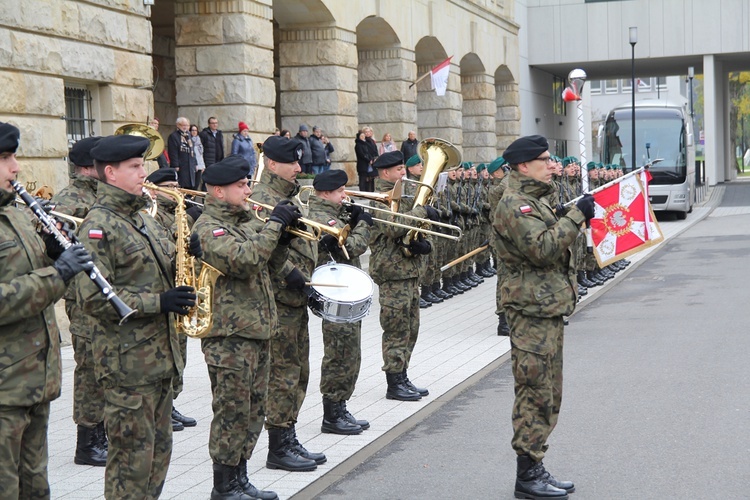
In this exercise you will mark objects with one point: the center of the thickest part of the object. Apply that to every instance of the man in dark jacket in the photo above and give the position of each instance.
(409, 146)
(181, 154)
(306, 162)
(318, 151)
(213, 142)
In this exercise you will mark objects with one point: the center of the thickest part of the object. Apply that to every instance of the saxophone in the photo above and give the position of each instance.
(197, 323)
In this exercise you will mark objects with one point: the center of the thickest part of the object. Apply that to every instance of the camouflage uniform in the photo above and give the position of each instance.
(342, 352)
(290, 343)
(136, 362)
(88, 397)
(397, 277)
(30, 369)
(540, 287)
(244, 316)
(496, 194)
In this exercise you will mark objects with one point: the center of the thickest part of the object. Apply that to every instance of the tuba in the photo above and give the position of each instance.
(197, 323)
(155, 149)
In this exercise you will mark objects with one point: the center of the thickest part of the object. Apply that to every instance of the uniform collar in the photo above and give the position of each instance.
(224, 211)
(276, 183)
(85, 182)
(6, 197)
(529, 186)
(119, 200)
(326, 206)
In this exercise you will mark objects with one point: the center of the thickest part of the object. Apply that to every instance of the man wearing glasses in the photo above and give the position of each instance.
(213, 142)
(539, 289)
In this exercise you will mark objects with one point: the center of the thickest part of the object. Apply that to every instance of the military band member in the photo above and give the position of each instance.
(397, 277)
(30, 284)
(540, 288)
(237, 349)
(290, 343)
(134, 362)
(342, 350)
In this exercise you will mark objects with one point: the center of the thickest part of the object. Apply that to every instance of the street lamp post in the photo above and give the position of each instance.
(691, 75)
(633, 32)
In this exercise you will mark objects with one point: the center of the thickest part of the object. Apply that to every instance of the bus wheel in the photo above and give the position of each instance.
(681, 215)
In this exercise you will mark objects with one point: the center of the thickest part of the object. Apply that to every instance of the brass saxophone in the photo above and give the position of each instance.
(197, 323)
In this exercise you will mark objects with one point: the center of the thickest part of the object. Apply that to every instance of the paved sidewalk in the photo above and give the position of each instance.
(458, 338)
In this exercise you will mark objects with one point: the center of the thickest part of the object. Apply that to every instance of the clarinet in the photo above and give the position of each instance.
(122, 309)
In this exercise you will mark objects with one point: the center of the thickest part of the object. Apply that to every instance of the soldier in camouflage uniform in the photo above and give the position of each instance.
(539, 289)
(484, 266)
(397, 276)
(497, 170)
(290, 343)
(342, 350)
(30, 284)
(165, 216)
(88, 396)
(237, 349)
(134, 362)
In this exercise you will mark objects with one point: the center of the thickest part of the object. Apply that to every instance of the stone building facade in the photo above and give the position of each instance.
(72, 68)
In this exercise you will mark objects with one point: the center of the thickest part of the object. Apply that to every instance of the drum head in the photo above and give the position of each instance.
(355, 284)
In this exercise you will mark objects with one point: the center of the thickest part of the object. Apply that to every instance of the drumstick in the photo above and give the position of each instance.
(310, 283)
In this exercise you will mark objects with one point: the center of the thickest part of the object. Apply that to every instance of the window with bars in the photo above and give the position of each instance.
(78, 117)
(558, 105)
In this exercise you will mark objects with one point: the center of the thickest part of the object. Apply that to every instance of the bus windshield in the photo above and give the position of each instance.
(660, 134)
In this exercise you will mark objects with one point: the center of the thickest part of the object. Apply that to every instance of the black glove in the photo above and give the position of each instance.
(295, 280)
(194, 212)
(356, 212)
(420, 247)
(46, 205)
(178, 300)
(432, 213)
(54, 248)
(561, 210)
(329, 243)
(72, 261)
(286, 213)
(286, 238)
(586, 205)
(194, 248)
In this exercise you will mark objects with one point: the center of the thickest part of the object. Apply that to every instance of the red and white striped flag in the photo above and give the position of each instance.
(624, 222)
(439, 76)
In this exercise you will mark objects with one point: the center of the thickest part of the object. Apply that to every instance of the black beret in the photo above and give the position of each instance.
(80, 153)
(390, 159)
(525, 149)
(330, 180)
(282, 149)
(116, 148)
(227, 171)
(9, 136)
(162, 175)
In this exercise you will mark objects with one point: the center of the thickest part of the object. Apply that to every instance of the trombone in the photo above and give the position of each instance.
(74, 221)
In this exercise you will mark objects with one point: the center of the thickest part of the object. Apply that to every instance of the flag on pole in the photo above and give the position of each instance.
(624, 222)
(439, 76)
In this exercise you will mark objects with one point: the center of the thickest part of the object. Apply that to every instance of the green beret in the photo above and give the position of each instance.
(481, 167)
(414, 160)
(466, 165)
(567, 161)
(591, 165)
(496, 164)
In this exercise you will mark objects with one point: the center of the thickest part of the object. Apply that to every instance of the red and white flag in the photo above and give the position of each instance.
(439, 75)
(624, 222)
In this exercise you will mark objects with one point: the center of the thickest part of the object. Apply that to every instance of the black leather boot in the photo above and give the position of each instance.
(397, 390)
(281, 454)
(463, 278)
(550, 479)
(475, 277)
(440, 292)
(183, 419)
(456, 287)
(248, 487)
(485, 270)
(102, 435)
(226, 486)
(592, 278)
(529, 482)
(88, 449)
(422, 391)
(345, 413)
(318, 458)
(423, 304)
(583, 280)
(334, 421)
(582, 291)
(431, 297)
(503, 329)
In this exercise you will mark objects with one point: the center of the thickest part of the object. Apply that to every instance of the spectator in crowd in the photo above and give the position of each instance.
(318, 151)
(200, 164)
(306, 160)
(329, 150)
(276, 131)
(285, 133)
(213, 142)
(369, 133)
(181, 154)
(387, 145)
(365, 170)
(162, 160)
(242, 144)
(409, 146)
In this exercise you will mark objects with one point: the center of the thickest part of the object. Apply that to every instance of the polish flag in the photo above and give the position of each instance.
(439, 76)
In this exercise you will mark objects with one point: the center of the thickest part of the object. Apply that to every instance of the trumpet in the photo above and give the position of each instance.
(74, 221)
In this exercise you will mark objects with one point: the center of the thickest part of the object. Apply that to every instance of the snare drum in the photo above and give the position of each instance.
(341, 305)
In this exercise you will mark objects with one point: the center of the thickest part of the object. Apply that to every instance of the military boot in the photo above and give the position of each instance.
(431, 297)
(550, 479)
(440, 292)
(183, 419)
(423, 304)
(592, 278)
(281, 454)
(318, 458)
(362, 423)
(456, 287)
(472, 275)
(334, 421)
(582, 291)
(529, 482)
(503, 329)
(422, 391)
(226, 486)
(485, 270)
(584, 281)
(102, 435)
(88, 449)
(248, 487)
(489, 268)
(463, 278)
(398, 390)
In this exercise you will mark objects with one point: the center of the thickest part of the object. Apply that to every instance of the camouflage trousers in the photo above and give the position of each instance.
(399, 319)
(342, 357)
(23, 451)
(290, 367)
(177, 380)
(238, 368)
(139, 427)
(537, 358)
(88, 395)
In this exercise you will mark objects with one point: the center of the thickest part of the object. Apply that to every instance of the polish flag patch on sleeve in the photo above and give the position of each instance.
(525, 209)
(332, 222)
(219, 232)
(96, 234)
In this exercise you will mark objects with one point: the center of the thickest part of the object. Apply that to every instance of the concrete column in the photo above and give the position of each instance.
(440, 116)
(715, 92)
(319, 87)
(386, 103)
(224, 64)
(478, 110)
(508, 117)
